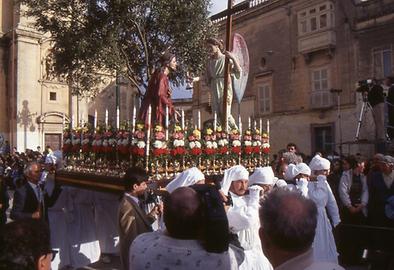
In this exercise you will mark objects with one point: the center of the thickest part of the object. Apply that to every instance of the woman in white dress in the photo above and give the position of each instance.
(324, 247)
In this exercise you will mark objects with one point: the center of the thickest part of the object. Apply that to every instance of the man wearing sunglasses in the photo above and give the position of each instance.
(25, 244)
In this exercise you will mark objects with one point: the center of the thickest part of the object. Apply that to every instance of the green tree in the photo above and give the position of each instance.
(92, 37)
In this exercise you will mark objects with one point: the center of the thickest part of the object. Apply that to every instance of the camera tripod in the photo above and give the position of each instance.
(364, 108)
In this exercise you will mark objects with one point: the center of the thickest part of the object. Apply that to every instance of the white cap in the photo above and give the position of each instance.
(291, 172)
(262, 175)
(318, 163)
(186, 178)
(234, 173)
(281, 183)
(303, 168)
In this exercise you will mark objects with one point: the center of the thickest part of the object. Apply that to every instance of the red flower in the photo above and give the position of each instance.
(159, 152)
(256, 149)
(223, 150)
(67, 148)
(75, 148)
(248, 150)
(178, 151)
(209, 151)
(195, 151)
(236, 150)
(266, 150)
(123, 149)
(85, 148)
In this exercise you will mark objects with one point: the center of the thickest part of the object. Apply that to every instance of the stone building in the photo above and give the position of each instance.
(33, 104)
(301, 51)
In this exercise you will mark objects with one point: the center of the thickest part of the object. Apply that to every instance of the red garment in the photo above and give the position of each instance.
(158, 96)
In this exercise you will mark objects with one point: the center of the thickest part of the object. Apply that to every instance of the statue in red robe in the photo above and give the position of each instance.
(158, 94)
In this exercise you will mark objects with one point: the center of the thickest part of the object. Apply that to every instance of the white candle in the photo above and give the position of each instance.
(95, 119)
(240, 127)
(106, 118)
(183, 119)
(268, 127)
(134, 118)
(166, 123)
(72, 121)
(261, 125)
(148, 131)
(199, 120)
(117, 118)
(254, 124)
(214, 121)
(249, 123)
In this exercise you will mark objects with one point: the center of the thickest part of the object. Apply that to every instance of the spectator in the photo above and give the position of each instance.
(288, 223)
(183, 246)
(335, 176)
(25, 245)
(292, 147)
(353, 191)
(132, 220)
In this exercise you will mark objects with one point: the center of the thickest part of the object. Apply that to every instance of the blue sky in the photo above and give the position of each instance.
(219, 5)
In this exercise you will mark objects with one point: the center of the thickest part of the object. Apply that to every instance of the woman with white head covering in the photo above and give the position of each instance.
(187, 178)
(243, 217)
(324, 248)
(263, 177)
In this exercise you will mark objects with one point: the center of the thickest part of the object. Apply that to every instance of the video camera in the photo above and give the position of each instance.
(365, 85)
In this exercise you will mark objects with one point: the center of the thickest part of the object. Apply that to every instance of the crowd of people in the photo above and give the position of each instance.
(295, 214)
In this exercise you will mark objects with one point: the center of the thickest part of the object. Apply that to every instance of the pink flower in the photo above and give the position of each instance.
(140, 134)
(159, 135)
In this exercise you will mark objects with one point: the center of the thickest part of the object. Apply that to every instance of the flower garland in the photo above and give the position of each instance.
(67, 146)
(247, 142)
(97, 143)
(159, 146)
(194, 143)
(235, 139)
(265, 146)
(210, 142)
(222, 140)
(138, 143)
(123, 142)
(178, 142)
(256, 141)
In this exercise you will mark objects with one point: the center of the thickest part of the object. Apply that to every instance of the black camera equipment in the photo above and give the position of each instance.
(216, 223)
(151, 197)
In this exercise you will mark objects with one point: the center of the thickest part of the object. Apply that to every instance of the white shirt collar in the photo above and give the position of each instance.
(135, 199)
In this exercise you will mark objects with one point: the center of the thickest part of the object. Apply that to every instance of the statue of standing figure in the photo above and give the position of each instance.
(158, 93)
(215, 77)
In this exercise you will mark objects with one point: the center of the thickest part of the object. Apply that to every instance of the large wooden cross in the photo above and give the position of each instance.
(229, 21)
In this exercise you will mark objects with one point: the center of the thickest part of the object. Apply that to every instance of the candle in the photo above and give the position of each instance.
(240, 126)
(249, 123)
(261, 125)
(117, 117)
(214, 121)
(166, 123)
(148, 131)
(72, 121)
(268, 127)
(64, 120)
(95, 119)
(183, 119)
(254, 124)
(106, 118)
(199, 120)
(134, 118)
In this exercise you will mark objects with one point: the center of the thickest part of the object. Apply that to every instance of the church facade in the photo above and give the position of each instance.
(306, 57)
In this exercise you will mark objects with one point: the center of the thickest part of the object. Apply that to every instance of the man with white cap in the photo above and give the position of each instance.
(243, 216)
(324, 248)
(263, 177)
(187, 178)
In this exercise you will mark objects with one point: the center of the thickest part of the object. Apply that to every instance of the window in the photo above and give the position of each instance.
(264, 95)
(52, 96)
(323, 139)
(382, 63)
(316, 18)
(321, 97)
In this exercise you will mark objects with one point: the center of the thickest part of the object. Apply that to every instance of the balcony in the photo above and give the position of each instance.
(317, 41)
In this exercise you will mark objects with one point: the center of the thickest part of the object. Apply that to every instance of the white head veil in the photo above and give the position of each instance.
(234, 173)
(303, 168)
(262, 175)
(318, 163)
(291, 172)
(186, 178)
